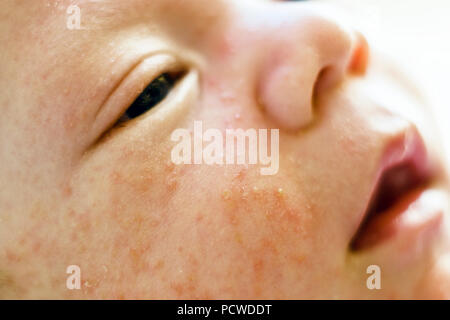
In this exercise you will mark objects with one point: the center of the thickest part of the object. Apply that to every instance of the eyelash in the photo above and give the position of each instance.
(151, 96)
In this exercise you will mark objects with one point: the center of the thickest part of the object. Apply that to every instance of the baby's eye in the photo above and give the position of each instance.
(152, 95)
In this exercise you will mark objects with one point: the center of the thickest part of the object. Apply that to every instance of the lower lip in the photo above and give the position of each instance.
(409, 219)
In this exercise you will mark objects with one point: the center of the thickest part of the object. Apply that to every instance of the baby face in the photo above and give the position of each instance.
(91, 120)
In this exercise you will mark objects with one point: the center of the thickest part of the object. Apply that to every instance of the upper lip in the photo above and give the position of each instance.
(404, 166)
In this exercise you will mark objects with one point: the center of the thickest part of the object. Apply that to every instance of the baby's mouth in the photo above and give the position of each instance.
(401, 200)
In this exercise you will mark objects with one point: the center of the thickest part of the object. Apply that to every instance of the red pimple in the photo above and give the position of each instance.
(172, 185)
(90, 285)
(74, 236)
(238, 238)
(67, 191)
(279, 193)
(169, 167)
(299, 260)
(226, 194)
(159, 265)
(120, 296)
(12, 257)
(179, 289)
(199, 217)
(44, 76)
(258, 266)
(240, 175)
(36, 246)
(225, 47)
(137, 258)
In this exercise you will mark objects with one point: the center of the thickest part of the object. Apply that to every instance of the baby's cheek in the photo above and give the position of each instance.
(121, 214)
(142, 226)
(236, 237)
(179, 231)
(200, 231)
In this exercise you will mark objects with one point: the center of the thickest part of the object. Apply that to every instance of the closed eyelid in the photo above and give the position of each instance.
(149, 67)
(130, 85)
(182, 96)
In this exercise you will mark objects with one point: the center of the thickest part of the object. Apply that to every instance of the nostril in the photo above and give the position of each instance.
(323, 81)
(328, 77)
(331, 74)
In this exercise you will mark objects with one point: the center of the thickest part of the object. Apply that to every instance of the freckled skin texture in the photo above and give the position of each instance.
(77, 190)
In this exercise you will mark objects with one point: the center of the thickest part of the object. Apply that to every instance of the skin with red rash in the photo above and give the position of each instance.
(77, 190)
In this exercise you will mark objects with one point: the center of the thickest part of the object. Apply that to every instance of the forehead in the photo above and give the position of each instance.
(115, 12)
(190, 21)
(110, 13)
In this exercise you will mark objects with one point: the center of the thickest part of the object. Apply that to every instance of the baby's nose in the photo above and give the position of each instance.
(304, 57)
